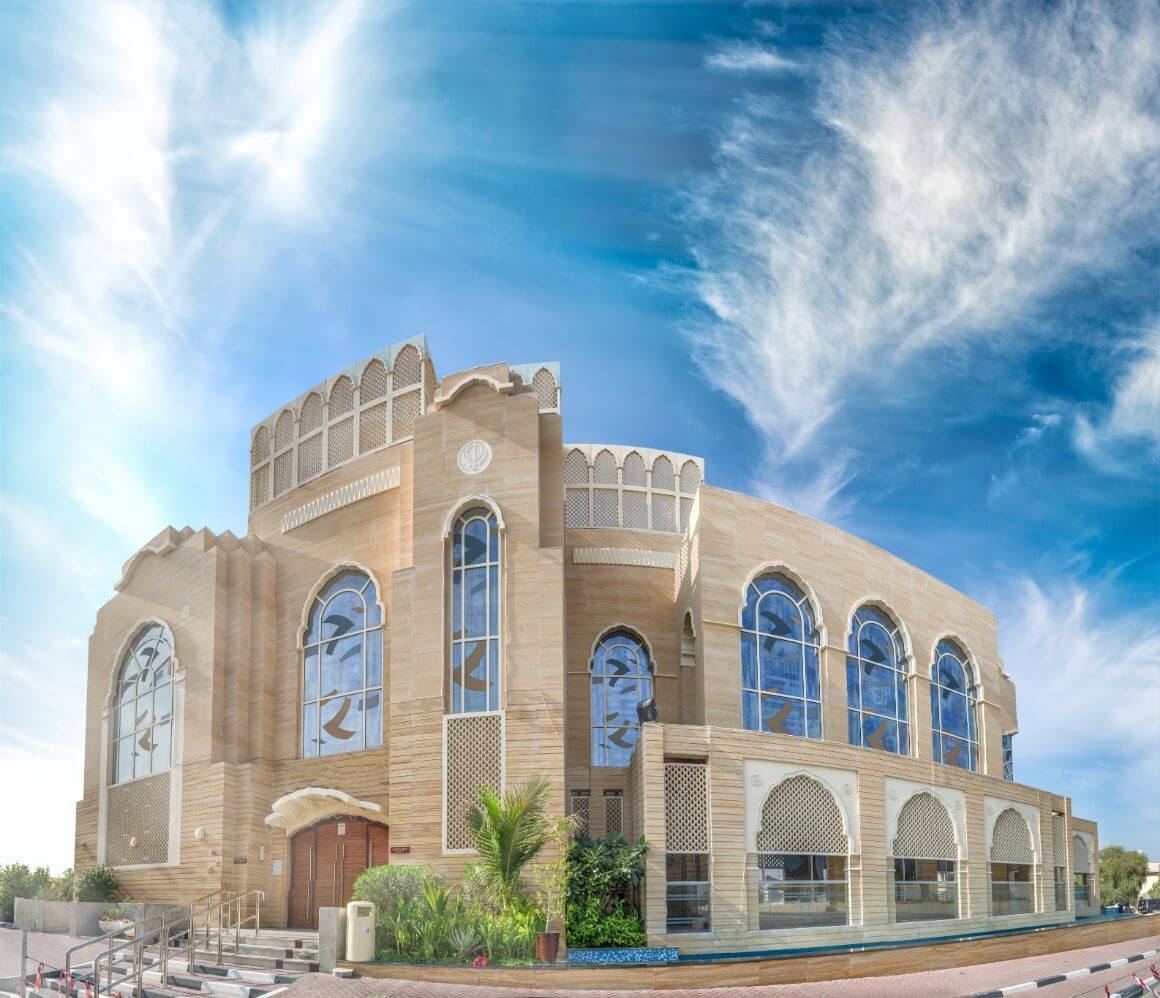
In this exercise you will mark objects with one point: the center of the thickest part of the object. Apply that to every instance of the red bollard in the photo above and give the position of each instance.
(39, 971)
(1107, 993)
(88, 989)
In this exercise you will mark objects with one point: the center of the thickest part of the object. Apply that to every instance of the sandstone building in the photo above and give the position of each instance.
(435, 591)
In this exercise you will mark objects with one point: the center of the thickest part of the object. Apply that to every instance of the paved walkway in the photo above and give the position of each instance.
(933, 984)
(45, 947)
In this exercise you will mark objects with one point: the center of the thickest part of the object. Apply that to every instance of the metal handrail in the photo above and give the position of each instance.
(143, 937)
(135, 925)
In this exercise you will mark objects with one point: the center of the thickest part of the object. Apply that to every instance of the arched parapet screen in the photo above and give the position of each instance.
(340, 413)
(143, 705)
(622, 677)
(780, 678)
(342, 667)
(1081, 856)
(802, 851)
(1012, 859)
(876, 689)
(954, 735)
(475, 612)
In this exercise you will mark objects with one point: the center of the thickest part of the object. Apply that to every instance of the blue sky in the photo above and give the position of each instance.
(893, 265)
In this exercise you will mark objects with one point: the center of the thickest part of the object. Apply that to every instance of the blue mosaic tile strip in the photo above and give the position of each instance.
(626, 955)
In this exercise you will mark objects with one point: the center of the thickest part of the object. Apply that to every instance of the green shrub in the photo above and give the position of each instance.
(97, 883)
(603, 877)
(397, 892)
(18, 881)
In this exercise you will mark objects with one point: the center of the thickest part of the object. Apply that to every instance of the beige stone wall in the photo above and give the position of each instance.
(863, 795)
(236, 610)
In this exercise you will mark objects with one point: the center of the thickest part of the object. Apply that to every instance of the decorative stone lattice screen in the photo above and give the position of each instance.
(581, 809)
(138, 809)
(1058, 840)
(625, 487)
(801, 816)
(925, 830)
(374, 405)
(613, 813)
(1011, 839)
(1081, 856)
(474, 759)
(686, 807)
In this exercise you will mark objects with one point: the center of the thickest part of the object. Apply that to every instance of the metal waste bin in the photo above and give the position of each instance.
(360, 931)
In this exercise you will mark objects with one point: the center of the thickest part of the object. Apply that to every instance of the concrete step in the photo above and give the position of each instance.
(249, 960)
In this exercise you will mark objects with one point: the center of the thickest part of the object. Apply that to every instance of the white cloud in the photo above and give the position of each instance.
(1087, 673)
(1134, 414)
(739, 57)
(959, 178)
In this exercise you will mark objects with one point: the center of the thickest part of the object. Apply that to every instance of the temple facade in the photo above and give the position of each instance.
(436, 592)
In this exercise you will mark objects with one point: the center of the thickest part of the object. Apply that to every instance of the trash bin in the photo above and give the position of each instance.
(360, 932)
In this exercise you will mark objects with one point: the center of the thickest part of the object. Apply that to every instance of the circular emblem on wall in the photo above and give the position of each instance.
(474, 457)
(755, 780)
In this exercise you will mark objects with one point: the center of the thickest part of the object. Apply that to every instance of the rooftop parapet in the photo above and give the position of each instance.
(631, 487)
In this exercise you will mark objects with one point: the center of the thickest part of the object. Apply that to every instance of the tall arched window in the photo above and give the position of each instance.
(143, 723)
(952, 708)
(621, 678)
(475, 612)
(342, 668)
(780, 685)
(876, 683)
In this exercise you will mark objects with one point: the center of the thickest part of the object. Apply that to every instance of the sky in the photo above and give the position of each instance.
(893, 265)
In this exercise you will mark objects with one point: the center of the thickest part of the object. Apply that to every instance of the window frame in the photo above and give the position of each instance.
(949, 649)
(753, 697)
(645, 675)
(873, 614)
(493, 607)
(317, 604)
(148, 632)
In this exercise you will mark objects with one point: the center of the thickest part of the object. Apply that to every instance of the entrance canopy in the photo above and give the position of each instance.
(310, 804)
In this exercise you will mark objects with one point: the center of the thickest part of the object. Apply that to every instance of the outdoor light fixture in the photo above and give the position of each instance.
(646, 710)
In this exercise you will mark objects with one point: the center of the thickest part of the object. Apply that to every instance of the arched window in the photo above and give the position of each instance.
(342, 668)
(475, 610)
(802, 851)
(143, 723)
(1012, 865)
(925, 852)
(876, 683)
(780, 684)
(952, 708)
(621, 678)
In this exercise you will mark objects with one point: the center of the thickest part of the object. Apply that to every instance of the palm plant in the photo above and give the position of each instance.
(509, 831)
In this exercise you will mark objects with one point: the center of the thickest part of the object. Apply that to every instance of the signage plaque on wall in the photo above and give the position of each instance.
(400, 850)
(241, 860)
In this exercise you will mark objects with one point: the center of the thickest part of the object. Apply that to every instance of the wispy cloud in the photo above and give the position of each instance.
(1093, 670)
(741, 57)
(960, 176)
(1133, 418)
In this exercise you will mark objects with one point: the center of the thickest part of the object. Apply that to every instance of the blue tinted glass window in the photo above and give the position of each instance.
(952, 708)
(876, 692)
(342, 668)
(475, 613)
(621, 679)
(780, 682)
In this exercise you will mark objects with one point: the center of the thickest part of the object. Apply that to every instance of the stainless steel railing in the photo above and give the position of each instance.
(225, 908)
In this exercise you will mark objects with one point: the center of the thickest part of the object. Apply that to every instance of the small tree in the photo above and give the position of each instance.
(1122, 873)
(97, 883)
(509, 831)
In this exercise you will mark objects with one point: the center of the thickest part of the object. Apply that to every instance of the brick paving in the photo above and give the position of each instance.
(44, 947)
(948, 983)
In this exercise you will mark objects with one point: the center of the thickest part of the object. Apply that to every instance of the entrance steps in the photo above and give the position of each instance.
(250, 968)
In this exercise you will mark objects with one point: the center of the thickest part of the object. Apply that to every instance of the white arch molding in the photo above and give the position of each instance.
(762, 777)
(881, 604)
(993, 807)
(781, 568)
(304, 807)
(466, 503)
(899, 792)
(632, 629)
(972, 660)
(320, 584)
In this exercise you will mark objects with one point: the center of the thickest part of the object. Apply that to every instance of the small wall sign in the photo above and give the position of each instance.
(240, 860)
(277, 871)
(400, 850)
(342, 829)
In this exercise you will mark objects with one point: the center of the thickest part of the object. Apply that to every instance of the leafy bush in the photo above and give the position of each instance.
(603, 878)
(97, 883)
(18, 881)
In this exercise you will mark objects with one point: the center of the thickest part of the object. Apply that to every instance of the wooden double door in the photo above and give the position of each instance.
(325, 861)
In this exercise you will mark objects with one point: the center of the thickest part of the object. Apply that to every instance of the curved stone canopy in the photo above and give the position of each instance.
(310, 804)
